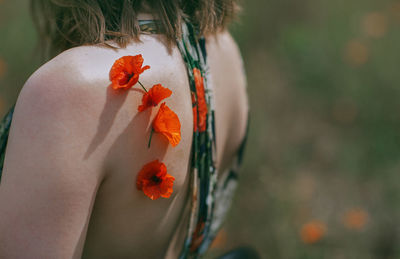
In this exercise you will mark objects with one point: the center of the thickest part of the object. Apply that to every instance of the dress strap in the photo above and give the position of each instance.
(150, 26)
(203, 172)
(211, 199)
(4, 131)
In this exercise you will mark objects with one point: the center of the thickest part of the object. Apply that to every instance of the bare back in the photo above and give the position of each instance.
(121, 221)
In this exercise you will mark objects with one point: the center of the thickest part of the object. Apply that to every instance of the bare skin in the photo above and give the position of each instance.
(76, 146)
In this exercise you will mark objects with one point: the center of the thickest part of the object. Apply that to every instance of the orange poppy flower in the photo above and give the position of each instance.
(201, 110)
(355, 219)
(312, 231)
(125, 71)
(154, 96)
(154, 180)
(167, 123)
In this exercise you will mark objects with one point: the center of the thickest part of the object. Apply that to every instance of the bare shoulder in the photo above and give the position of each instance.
(60, 105)
(227, 66)
(226, 45)
(229, 80)
(53, 162)
(62, 83)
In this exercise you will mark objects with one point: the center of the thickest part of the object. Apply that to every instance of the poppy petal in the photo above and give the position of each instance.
(154, 96)
(201, 119)
(167, 123)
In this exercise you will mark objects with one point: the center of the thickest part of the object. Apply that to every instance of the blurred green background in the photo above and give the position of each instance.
(321, 174)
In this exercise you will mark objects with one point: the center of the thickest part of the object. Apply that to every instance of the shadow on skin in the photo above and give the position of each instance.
(114, 102)
(128, 142)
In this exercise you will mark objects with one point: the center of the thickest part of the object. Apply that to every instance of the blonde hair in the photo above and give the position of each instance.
(64, 24)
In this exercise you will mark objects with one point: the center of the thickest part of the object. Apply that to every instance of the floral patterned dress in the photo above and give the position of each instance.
(210, 199)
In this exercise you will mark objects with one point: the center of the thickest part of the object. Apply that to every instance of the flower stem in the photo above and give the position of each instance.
(151, 135)
(142, 86)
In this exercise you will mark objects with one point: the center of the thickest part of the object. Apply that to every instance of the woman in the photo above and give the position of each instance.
(79, 144)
